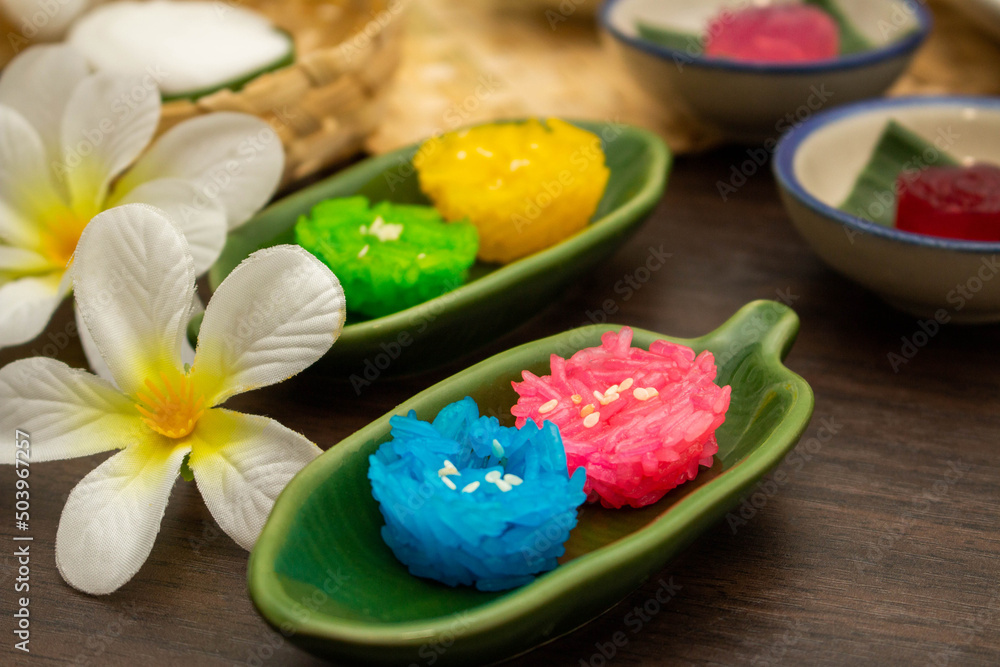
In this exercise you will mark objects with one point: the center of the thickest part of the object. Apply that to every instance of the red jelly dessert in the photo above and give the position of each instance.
(953, 202)
(641, 422)
(788, 33)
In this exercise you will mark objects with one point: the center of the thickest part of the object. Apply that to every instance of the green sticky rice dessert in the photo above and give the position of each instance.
(388, 257)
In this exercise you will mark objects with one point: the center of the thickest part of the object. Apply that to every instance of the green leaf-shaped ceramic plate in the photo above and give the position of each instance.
(497, 298)
(321, 574)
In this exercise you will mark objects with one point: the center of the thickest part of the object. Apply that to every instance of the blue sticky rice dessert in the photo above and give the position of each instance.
(467, 501)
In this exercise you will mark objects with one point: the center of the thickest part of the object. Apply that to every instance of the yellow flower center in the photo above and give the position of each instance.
(60, 237)
(172, 410)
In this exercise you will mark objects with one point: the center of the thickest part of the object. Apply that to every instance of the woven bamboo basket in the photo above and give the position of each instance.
(324, 104)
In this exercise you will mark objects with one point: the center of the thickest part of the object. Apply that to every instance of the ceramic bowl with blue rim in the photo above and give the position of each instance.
(816, 166)
(660, 43)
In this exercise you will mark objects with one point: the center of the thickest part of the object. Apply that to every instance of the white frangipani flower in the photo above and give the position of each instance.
(275, 315)
(71, 146)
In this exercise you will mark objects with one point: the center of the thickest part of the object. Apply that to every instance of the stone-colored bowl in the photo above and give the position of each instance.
(816, 165)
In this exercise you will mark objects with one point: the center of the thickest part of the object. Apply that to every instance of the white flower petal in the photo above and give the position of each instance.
(201, 220)
(21, 260)
(26, 306)
(232, 157)
(241, 470)
(112, 516)
(38, 84)
(134, 282)
(271, 318)
(109, 120)
(98, 366)
(27, 193)
(66, 411)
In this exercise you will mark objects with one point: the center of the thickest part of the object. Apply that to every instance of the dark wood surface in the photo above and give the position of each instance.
(878, 546)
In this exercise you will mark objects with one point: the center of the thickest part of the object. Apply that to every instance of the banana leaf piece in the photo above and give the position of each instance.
(899, 149)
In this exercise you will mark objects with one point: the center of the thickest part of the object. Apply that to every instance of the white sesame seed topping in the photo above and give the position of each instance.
(363, 252)
(503, 486)
(599, 396)
(513, 480)
(652, 392)
(587, 409)
(613, 389)
(450, 484)
(469, 488)
(640, 394)
(548, 407)
(449, 464)
(497, 448)
(493, 476)
(626, 383)
(385, 231)
(592, 419)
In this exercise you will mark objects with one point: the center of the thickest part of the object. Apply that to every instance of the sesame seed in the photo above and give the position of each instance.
(548, 407)
(652, 392)
(450, 484)
(513, 480)
(503, 486)
(640, 394)
(587, 409)
(613, 389)
(449, 464)
(493, 476)
(626, 383)
(497, 448)
(363, 252)
(592, 419)
(576, 398)
(469, 488)
(598, 395)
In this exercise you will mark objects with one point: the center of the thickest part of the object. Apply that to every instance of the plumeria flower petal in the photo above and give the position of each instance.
(27, 304)
(203, 225)
(240, 477)
(136, 306)
(32, 211)
(69, 137)
(269, 320)
(62, 68)
(277, 313)
(112, 516)
(67, 411)
(112, 119)
(232, 157)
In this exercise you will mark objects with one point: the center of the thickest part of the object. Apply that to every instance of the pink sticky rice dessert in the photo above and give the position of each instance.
(787, 33)
(640, 422)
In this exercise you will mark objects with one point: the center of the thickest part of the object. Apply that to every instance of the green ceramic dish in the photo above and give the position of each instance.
(497, 298)
(321, 574)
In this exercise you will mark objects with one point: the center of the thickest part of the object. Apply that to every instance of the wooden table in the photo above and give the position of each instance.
(877, 547)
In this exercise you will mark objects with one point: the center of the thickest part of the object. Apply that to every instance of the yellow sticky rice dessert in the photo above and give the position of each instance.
(525, 186)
